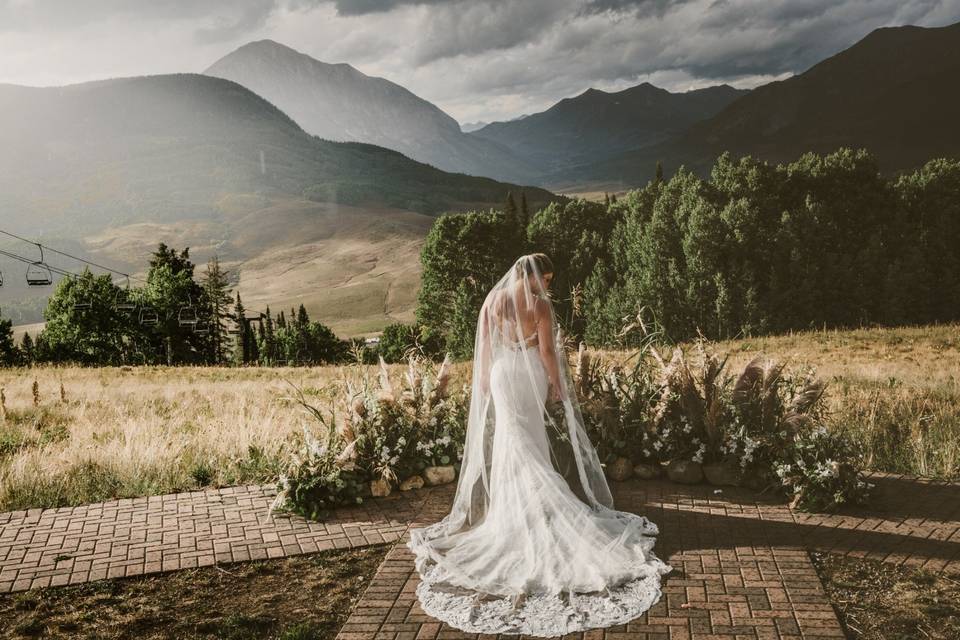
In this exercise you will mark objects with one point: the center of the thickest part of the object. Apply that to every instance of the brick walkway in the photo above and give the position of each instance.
(741, 564)
(742, 568)
(136, 536)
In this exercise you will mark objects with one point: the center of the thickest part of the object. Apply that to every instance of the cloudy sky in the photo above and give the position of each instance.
(476, 59)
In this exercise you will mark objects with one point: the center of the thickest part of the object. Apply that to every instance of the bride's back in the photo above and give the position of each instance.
(510, 307)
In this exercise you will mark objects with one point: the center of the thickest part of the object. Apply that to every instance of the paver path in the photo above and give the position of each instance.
(742, 568)
(135, 536)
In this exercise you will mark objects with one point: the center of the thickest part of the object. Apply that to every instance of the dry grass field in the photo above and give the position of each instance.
(145, 431)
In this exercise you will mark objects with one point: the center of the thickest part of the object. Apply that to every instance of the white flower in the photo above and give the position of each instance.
(657, 445)
(646, 452)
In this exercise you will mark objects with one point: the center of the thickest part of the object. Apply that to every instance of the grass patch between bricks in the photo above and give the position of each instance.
(883, 601)
(306, 597)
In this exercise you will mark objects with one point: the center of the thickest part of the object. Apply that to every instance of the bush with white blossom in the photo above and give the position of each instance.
(822, 470)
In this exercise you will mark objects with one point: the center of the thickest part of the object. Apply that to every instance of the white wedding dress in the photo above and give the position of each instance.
(517, 527)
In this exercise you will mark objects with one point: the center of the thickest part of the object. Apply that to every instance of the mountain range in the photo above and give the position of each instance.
(337, 102)
(895, 93)
(597, 125)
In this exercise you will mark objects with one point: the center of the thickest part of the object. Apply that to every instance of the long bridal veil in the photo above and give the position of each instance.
(532, 543)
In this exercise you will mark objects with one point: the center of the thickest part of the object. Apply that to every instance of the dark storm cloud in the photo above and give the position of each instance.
(478, 59)
(362, 7)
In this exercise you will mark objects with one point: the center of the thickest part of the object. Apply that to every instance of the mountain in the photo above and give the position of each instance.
(108, 169)
(468, 127)
(337, 102)
(597, 125)
(895, 92)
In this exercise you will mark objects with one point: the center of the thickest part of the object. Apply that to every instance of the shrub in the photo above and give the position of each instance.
(822, 469)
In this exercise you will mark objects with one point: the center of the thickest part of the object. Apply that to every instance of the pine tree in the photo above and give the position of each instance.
(269, 346)
(26, 349)
(510, 209)
(658, 177)
(524, 212)
(281, 320)
(8, 349)
(302, 318)
(216, 290)
(241, 348)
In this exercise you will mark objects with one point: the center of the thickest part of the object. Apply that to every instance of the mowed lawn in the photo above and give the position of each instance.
(124, 432)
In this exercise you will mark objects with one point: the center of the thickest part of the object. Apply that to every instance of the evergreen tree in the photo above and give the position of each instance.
(524, 212)
(268, 346)
(241, 347)
(658, 175)
(26, 349)
(216, 289)
(302, 318)
(8, 350)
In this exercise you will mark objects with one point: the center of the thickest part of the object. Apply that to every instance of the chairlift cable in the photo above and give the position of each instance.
(71, 256)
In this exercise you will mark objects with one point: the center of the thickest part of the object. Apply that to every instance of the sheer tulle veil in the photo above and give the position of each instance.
(499, 327)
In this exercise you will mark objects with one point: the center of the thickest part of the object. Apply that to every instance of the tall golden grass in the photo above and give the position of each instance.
(123, 432)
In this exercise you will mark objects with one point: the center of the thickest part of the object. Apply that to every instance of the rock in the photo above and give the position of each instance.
(620, 469)
(722, 474)
(646, 471)
(379, 488)
(685, 472)
(439, 475)
(413, 482)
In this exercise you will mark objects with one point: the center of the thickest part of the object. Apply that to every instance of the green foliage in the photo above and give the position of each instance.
(9, 355)
(399, 341)
(217, 299)
(82, 325)
(379, 432)
(574, 234)
(298, 342)
(825, 240)
(463, 257)
(822, 469)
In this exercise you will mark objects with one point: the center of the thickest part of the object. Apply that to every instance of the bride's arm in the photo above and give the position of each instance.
(484, 354)
(547, 349)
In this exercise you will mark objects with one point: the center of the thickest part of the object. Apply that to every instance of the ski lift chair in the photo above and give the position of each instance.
(38, 273)
(187, 315)
(149, 316)
(122, 301)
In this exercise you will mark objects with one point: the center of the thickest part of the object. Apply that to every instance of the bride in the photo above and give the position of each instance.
(532, 543)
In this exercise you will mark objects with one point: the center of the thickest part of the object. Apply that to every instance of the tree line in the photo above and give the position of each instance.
(751, 249)
(174, 318)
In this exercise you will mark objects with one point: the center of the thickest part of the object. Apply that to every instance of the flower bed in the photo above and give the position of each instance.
(687, 417)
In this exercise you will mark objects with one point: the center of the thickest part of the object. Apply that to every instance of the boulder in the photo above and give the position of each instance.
(722, 474)
(439, 475)
(646, 471)
(685, 472)
(620, 469)
(379, 488)
(413, 482)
